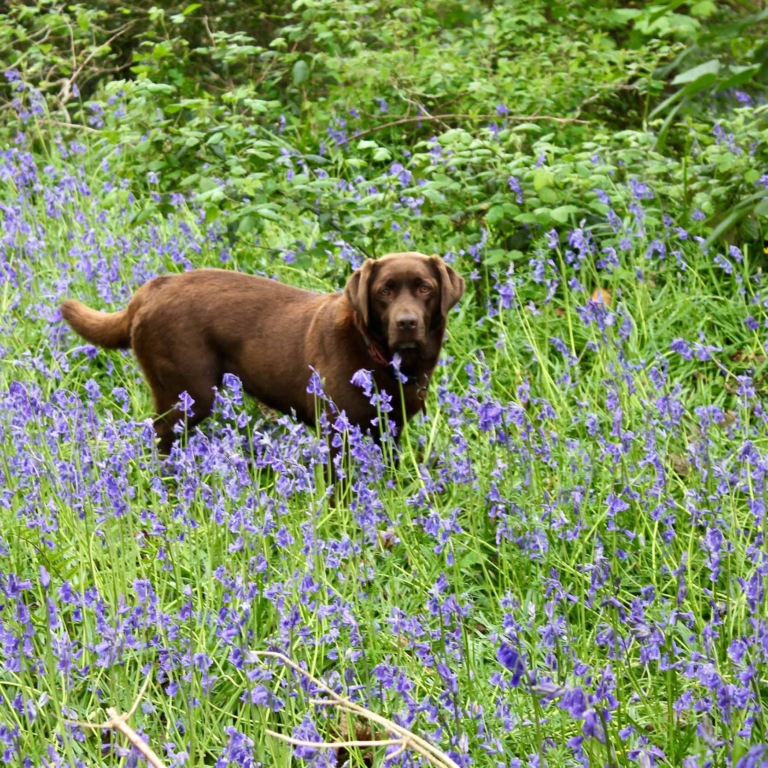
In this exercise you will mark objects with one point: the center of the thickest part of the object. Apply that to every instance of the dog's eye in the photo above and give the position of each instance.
(425, 289)
(385, 291)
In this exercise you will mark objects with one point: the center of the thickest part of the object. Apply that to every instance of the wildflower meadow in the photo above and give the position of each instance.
(564, 562)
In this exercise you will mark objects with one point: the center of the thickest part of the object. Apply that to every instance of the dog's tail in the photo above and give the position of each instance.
(109, 330)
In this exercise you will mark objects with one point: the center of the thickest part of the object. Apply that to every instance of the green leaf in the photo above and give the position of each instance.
(249, 223)
(268, 213)
(300, 72)
(433, 195)
(761, 209)
(711, 67)
(662, 140)
(563, 213)
(527, 128)
(495, 214)
(739, 76)
(212, 195)
(664, 104)
(704, 8)
(548, 195)
(702, 84)
(542, 177)
(382, 155)
(494, 257)
(142, 216)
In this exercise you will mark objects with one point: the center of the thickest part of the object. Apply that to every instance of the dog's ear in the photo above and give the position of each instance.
(451, 285)
(356, 290)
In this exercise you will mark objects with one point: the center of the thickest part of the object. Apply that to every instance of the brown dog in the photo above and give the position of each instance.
(188, 330)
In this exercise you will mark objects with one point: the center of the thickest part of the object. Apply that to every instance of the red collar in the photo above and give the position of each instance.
(373, 349)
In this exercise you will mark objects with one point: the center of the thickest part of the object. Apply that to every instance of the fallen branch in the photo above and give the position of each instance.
(333, 744)
(458, 116)
(406, 739)
(118, 723)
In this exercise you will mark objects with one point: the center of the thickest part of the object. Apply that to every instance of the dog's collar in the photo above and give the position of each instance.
(378, 356)
(373, 349)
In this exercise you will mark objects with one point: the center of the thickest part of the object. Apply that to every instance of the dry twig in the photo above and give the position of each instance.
(118, 722)
(66, 92)
(405, 738)
(459, 116)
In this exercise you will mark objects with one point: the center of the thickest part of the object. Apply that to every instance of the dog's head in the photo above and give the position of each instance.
(403, 297)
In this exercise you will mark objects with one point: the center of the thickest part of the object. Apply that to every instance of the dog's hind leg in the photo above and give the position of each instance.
(197, 376)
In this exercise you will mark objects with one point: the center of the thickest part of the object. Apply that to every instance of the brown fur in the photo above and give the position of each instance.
(188, 330)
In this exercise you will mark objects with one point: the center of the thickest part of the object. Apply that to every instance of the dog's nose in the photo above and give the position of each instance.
(406, 323)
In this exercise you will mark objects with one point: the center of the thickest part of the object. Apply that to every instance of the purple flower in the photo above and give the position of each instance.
(756, 757)
(509, 658)
(185, 404)
(315, 385)
(682, 348)
(553, 240)
(514, 186)
(364, 380)
(640, 190)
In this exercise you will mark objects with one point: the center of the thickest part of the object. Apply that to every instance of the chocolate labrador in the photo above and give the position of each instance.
(188, 330)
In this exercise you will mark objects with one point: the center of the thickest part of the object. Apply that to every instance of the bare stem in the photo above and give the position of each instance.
(118, 722)
(457, 116)
(435, 756)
